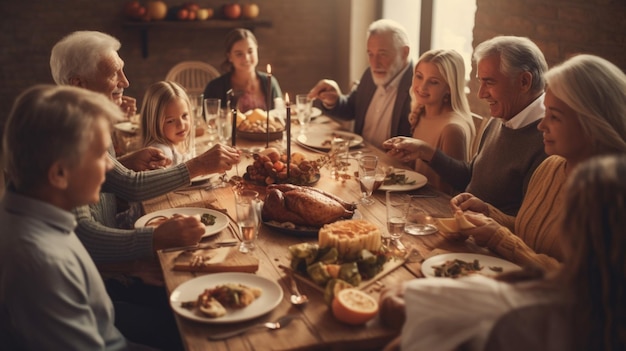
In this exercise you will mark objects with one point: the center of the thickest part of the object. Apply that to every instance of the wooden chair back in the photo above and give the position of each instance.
(192, 75)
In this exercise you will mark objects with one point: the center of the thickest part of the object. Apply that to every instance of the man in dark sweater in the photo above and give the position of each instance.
(510, 71)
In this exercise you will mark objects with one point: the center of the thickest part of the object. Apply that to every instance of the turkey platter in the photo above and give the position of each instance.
(304, 206)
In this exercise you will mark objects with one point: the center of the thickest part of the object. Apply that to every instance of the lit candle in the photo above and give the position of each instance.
(288, 131)
(269, 99)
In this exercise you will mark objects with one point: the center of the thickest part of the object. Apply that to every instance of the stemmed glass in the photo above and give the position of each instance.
(367, 177)
(248, 218)
(304, 107)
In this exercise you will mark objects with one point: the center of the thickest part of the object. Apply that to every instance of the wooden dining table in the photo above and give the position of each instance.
(315, 327)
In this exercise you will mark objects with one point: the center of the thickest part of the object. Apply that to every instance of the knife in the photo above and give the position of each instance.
(201, 246)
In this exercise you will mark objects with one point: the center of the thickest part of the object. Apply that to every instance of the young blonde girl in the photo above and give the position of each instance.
(166, 120)
(440, 113)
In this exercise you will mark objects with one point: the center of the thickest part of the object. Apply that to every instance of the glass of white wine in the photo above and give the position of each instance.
(248, 218)
(367, 177)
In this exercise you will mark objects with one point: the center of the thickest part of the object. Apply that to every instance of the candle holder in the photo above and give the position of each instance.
(288, 131)
(269, 104)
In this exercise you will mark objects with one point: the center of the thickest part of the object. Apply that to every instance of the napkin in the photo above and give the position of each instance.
(224, 259)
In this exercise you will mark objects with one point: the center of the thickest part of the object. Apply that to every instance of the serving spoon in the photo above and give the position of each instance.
(296, 297)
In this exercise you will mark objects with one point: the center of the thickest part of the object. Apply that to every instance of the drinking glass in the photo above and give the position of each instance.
(397, 209)
(248, 218)
(367, 177)
(224, 127)
(304, 107)
(418, 221)
(212, 109)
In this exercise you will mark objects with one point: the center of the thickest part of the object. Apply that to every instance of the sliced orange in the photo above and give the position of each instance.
(353, 306)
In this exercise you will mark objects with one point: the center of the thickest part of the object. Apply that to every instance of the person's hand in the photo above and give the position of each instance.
(129, 106)
(468, 202)
(179, 230)
(218, 159)
(327, 91)
(484, 230)
(391, 301)
(145, 159)
(408, 149)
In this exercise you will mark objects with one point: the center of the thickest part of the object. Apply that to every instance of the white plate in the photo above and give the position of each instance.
(202, 178)
(271, 296)
(221, 220)
(483, 260)
(321, 140)
(127, 127)
(315, 112)
(420, 181)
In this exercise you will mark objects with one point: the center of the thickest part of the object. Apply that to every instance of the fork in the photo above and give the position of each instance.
(280, 323)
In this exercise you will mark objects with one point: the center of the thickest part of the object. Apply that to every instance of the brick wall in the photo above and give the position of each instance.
(301, 46)
(560, 28)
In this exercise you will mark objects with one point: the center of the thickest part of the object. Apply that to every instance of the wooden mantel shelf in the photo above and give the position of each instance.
(209, 24)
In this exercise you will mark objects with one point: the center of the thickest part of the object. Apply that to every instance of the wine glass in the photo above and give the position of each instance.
(248, 218)
(304, 107)
(367, 177)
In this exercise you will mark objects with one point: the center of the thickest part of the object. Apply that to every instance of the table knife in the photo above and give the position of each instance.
(201, 246)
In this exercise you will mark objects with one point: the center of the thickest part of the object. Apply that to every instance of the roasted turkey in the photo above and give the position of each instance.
(303, 205)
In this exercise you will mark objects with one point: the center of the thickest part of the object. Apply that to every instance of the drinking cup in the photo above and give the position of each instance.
(397, 209)
(248, 218)
(418, 221)
(212, 111)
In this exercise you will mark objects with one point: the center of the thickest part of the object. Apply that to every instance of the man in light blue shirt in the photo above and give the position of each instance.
(51, 294)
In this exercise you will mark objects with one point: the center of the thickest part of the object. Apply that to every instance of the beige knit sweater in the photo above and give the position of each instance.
(536, 227)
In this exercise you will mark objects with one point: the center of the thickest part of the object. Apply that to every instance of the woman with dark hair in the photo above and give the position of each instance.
(242, 76)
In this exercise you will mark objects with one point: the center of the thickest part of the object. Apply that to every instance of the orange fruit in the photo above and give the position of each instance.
(353, 306)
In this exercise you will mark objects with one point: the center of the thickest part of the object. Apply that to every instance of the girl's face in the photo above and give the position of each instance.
(176, 121)
(429, 86)
(562, 132)
(243, 55)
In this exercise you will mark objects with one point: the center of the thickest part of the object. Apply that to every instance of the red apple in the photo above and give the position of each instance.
(232, 11)
(250, 11)
(134, 10)
(191, 6)
(182, 14)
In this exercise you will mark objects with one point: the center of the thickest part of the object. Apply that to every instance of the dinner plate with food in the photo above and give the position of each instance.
(403, 180)
(225, 297)
(455, 265)
(315, 112)
(323, 140)
(215, 221)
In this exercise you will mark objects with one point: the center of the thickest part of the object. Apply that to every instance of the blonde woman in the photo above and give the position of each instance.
(440, 114)
(585, 116)
(166, 120)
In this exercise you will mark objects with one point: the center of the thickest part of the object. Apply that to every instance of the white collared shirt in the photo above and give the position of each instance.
(377, 125)
(536, 110)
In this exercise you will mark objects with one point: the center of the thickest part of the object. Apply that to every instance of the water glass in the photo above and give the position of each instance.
(304, 108)
(224, 126)
(248, 218)
(367, 177)
(397, 209)
(212, 111)
(418, 221)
